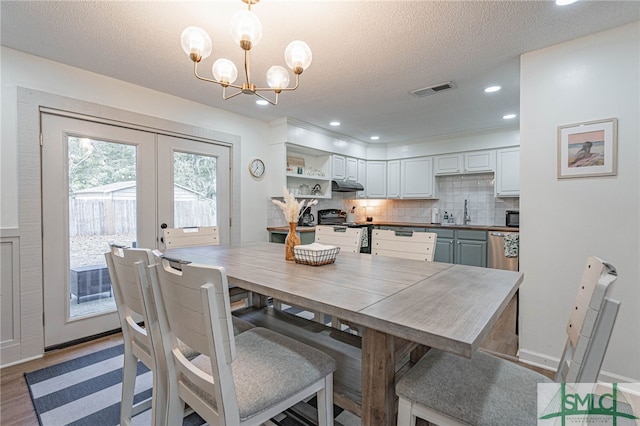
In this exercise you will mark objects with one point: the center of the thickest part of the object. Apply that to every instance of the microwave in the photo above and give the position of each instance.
(512, 218)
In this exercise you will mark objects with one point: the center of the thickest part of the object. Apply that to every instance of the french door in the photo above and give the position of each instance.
(105, 184)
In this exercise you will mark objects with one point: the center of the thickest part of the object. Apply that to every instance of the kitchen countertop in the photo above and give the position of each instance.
(407, 224)
(284, 228)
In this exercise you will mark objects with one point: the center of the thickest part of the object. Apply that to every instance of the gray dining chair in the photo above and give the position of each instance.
(348, 239)
(141, 342)
(192, 236)
(238, 380)
(447, 389)
(140, 331)
(404, 245)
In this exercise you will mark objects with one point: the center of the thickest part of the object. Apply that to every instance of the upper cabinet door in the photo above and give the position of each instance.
(339, 167)
(351, 169)
(376, 186)
(508, 172)
(362, 177)
(417, 178)
(465, 162)
(393, 179)
(479, 161)
(448, 164)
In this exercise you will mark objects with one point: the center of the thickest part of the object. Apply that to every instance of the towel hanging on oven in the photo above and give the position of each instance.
(511, 243)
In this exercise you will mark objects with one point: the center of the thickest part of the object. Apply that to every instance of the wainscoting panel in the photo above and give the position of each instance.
(9, 295)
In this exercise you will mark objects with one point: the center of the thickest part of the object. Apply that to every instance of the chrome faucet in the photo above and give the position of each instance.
(467, 218)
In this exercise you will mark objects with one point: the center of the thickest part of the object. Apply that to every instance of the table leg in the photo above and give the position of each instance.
(378, 379)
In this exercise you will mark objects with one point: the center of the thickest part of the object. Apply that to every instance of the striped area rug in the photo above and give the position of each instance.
(87, 391)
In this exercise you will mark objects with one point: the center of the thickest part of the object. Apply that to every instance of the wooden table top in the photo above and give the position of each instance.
(449, 307)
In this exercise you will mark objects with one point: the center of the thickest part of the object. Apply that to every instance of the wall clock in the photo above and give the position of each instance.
(256, 167)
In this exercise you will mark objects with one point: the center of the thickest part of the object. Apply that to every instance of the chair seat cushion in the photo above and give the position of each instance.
(269, 368)
(484, 390)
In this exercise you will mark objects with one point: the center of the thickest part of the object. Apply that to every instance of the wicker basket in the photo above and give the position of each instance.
(315, 254)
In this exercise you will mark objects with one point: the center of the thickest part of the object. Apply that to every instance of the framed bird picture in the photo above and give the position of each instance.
(588, 149)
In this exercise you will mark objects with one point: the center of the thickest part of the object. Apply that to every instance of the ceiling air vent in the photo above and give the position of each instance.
(420, 93)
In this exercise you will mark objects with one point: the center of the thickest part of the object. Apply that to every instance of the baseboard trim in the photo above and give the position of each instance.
(20, 361)
(551, 363)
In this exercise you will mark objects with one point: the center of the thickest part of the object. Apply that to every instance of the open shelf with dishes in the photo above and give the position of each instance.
(305, 172)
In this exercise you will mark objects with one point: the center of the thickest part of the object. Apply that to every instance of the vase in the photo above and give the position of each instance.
(291, 241)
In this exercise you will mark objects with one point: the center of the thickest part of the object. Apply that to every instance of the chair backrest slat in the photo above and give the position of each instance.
(348, 239)
(405, 245)
(192, 236)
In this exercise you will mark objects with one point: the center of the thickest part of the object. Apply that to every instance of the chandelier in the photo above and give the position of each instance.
(246, 31)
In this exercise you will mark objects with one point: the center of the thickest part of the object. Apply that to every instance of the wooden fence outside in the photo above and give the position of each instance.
(113, 217)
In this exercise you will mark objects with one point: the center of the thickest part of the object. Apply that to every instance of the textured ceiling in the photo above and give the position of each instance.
(367, 55)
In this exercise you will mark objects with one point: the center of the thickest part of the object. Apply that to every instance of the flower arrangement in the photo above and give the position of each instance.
(291, 207)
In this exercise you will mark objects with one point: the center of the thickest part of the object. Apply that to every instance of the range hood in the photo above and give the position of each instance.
(345, 186)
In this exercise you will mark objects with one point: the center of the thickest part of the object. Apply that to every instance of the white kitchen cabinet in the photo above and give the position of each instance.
(508, 172)
(361, 177)
(344, 167)
(479, 161)
(416, 178)
(448, 164)
(351, 169)
(376, 179)
(286, 160)
(465, 162)
(339, 166)
(393, 179)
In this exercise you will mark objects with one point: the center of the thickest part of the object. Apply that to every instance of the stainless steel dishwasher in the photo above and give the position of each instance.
(497, 258)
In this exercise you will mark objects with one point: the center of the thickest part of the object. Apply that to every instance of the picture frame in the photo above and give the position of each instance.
(588, 149)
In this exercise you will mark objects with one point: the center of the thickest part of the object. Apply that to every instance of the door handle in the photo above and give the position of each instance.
(163, 226)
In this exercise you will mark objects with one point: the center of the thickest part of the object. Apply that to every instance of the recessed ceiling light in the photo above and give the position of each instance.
(334, 123)
(262, 102)
(491, 89)
(509, 116)
(565, 2)
(374, 138)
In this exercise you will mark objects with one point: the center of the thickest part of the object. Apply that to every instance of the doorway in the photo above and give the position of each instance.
(103, 184)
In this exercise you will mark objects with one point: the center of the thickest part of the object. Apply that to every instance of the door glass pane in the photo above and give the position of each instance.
(194, 190)
(102, 209)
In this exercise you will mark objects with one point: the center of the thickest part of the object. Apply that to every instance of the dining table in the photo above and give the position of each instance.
(445, 306)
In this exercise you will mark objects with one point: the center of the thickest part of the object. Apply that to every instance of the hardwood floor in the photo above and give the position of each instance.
(16, 408)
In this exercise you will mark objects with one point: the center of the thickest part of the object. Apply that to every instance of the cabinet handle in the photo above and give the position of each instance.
(459, 243)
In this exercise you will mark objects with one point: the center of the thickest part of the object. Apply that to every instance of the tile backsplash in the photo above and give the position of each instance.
(477, 189)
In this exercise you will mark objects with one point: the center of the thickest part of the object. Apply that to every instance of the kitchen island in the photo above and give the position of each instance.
(445, 306)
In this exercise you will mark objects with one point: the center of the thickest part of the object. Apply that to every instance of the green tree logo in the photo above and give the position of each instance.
(575, 406)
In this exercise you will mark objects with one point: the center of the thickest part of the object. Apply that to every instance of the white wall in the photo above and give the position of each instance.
(22, 70)
(591, 78)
